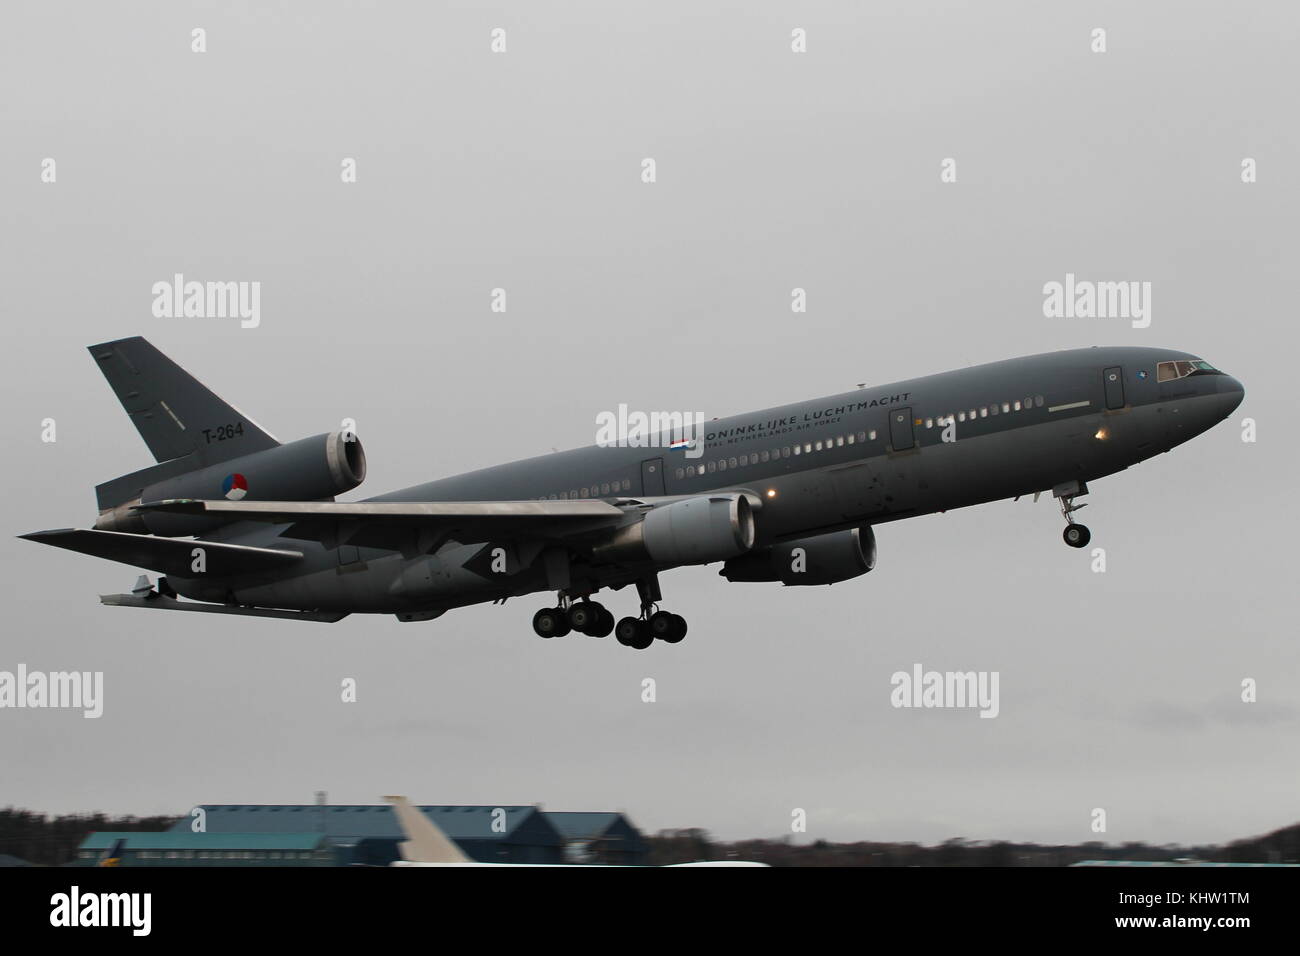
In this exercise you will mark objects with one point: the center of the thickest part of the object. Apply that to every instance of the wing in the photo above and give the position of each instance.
(168, 555)
(411, 527)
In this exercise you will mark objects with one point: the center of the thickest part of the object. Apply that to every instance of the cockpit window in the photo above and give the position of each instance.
(1168, 371)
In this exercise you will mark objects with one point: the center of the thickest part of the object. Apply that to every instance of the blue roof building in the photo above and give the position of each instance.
(369, 834)
(600, 837)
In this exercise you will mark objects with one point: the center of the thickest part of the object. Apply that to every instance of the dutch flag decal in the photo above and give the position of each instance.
(235, 486)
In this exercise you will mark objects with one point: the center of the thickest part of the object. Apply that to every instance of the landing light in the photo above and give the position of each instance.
(771, 492)
(1102, 434)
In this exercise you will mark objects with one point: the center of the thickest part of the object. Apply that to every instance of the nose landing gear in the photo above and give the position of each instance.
(1075, 535)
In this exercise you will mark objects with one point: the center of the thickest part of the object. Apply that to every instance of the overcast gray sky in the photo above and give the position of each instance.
(775, 170)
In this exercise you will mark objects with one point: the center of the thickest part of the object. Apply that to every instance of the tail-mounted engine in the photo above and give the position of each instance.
(311, 469)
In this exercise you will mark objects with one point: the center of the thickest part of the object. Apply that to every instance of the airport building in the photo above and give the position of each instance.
(607, 838)
(368, 835)
(184, 848)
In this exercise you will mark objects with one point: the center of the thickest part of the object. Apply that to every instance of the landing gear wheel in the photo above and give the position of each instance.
(551, 622)
(603, 626)
(667, 627)
(633, 632)
(662, 625)
(586, 616)
(1077, 535)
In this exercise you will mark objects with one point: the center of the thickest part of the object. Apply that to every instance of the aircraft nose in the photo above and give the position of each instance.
(1230, 393)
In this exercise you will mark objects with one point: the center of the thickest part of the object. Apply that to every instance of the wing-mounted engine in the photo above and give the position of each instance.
(689, 531)
(311, 469)
(822, 559)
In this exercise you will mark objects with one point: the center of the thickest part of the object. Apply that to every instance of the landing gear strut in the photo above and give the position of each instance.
(1075, 535)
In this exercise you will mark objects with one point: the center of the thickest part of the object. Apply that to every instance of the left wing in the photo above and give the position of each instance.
(412, 527)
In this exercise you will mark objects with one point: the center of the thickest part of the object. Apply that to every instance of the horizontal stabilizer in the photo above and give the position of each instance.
(168, 555)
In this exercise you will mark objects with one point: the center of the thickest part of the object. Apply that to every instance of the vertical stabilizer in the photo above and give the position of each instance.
(425, 843)
(175, 413)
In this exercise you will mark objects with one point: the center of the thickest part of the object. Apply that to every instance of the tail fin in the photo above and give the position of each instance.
(185, 424)
(174, 413)
(113, 855)
(425, 843)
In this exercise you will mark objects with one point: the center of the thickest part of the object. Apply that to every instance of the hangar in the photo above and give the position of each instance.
(607, 838)
(368, 834)
(184, 848)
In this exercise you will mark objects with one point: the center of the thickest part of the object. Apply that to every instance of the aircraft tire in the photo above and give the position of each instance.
(604, 625)
(1077, 535)
(550, 622)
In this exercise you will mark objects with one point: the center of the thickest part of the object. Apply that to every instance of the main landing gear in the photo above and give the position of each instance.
(588, 617)
(1075, 535)
(585, 617)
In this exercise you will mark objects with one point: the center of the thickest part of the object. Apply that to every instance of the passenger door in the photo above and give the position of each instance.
(1113, 380)
(652, 477)
(900, 429)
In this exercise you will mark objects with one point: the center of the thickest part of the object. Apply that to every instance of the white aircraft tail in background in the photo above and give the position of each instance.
(425, 844)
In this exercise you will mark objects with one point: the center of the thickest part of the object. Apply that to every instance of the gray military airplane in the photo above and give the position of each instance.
(241, 524)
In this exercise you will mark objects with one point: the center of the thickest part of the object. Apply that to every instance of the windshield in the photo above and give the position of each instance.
(1168, 371)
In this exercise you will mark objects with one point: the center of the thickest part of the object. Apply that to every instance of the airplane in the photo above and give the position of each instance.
(427, 845)
(238, 523)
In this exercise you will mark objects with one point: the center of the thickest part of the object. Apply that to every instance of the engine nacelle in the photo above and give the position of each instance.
(310, 469)
(692, 531)
(824, 559)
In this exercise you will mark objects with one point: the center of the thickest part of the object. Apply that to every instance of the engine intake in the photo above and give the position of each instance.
(310, 469)
(692, 531)
(822, 559)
